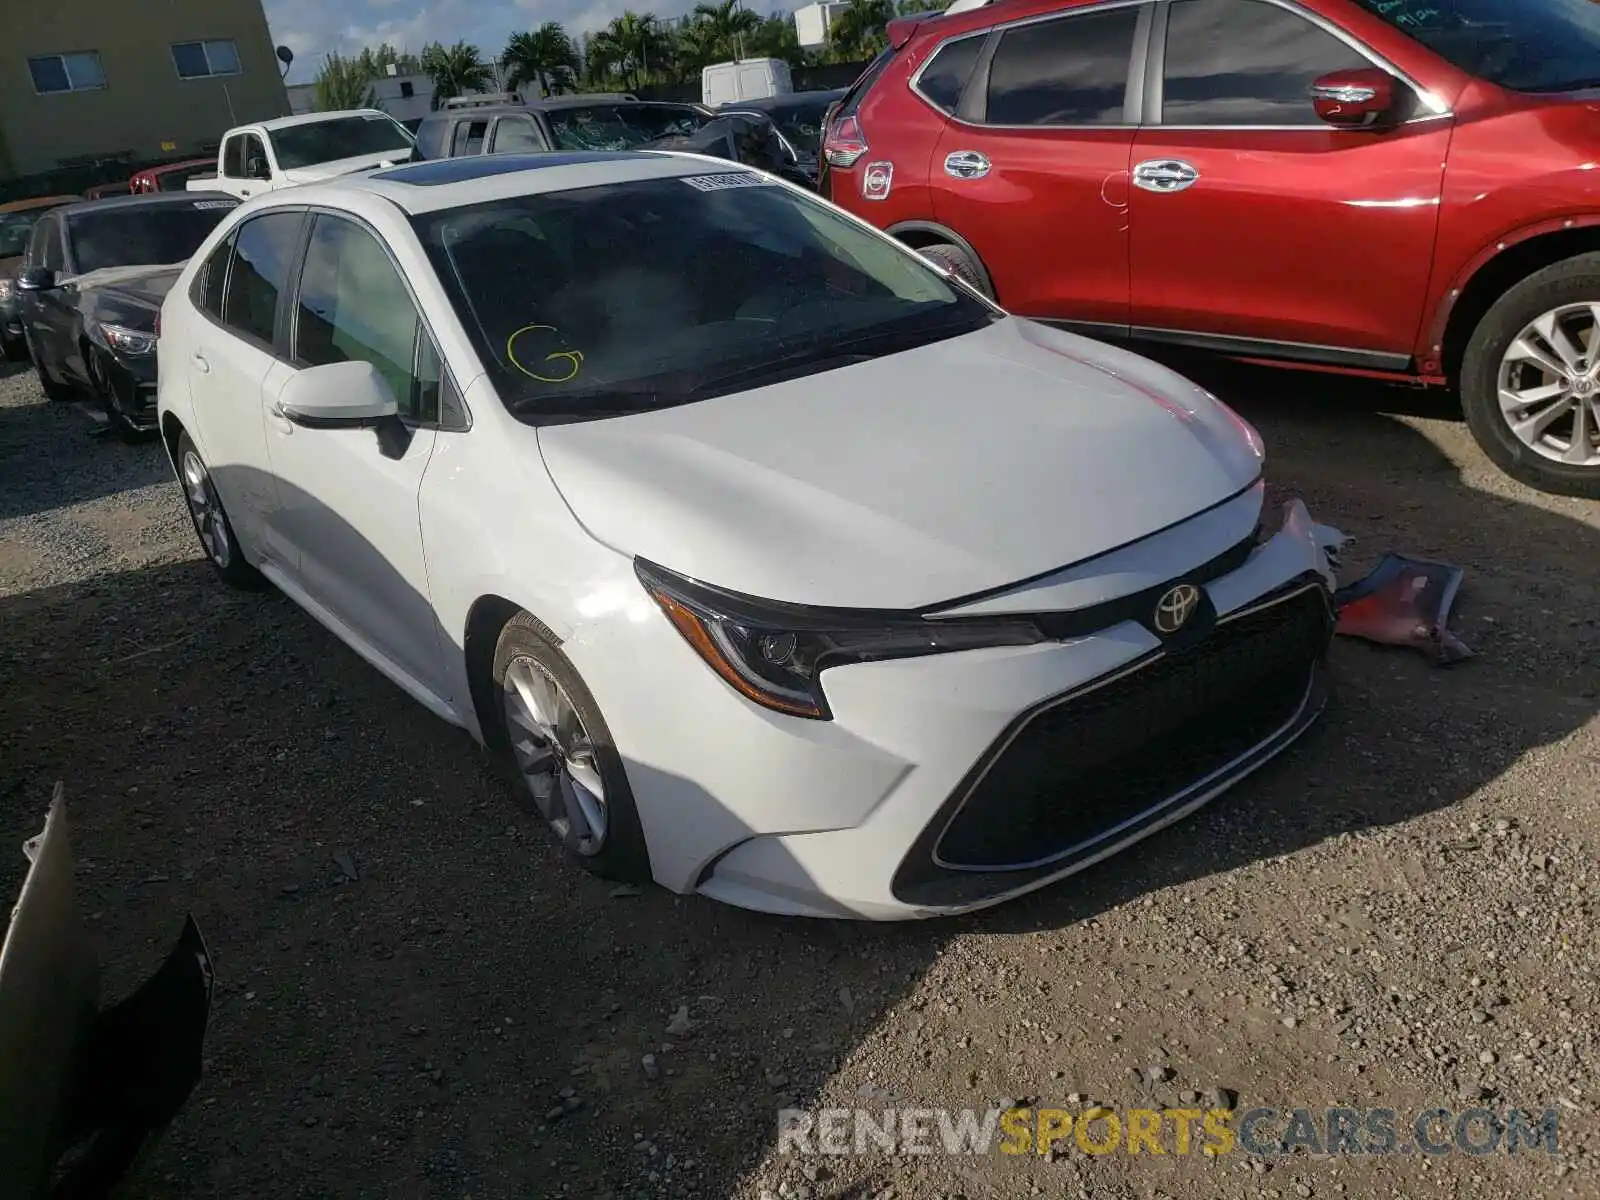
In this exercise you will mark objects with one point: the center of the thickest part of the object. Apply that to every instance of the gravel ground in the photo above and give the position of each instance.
(1400, 914)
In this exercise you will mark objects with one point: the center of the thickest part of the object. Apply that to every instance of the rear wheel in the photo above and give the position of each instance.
(211, 524)
(960, 264)
(1530, 379)
(568, 770)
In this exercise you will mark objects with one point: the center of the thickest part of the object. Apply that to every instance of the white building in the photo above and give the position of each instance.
(403, 97)
(811, 23)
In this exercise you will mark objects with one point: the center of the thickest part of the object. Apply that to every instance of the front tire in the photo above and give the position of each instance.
(1530, 379)
(211, 524)
(568, 771)
(960, 264)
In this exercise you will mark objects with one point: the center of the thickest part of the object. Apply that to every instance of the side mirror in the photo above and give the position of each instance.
(1354, 99)
(256, 168)
(37, 279)
(338, 396)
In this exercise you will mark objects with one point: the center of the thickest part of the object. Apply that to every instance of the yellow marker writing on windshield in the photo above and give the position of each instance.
(574, 358)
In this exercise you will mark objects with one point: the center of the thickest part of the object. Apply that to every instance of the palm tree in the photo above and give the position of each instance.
(343, 83)
(858, 30)
(729, 25)
(455, 70)
(544, 56)
(632, 46)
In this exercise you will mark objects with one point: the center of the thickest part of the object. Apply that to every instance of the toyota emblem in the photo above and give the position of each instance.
(1175, 607)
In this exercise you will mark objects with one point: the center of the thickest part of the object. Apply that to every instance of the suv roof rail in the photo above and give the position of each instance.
(482, 101)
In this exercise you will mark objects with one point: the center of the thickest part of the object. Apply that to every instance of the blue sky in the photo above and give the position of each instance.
(312, 28)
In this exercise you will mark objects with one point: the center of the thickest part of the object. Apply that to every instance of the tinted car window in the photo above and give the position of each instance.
(1524, 45)
(663, 291)
(1244, 62)
(517, 135)
(44, 247)
(469, 138)
(946, 74)
(233, 157)
(1069, 71)
(353, 307)
(342, 137)
(264, 247)
(255, 158)
(141, 234)
(206, 291)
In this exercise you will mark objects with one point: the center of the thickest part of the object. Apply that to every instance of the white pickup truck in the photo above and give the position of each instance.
(289, 150)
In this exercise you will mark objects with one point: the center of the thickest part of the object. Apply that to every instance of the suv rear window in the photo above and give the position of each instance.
(943, 79)
(1068, 71)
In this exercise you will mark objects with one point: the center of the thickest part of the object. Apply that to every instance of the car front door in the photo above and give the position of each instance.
(350, 496)
(1032, 167)
(239, 293)
(48, 312)
(1255, 225)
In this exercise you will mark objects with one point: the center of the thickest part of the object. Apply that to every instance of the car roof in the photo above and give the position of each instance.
(792, 100)
(144, 200)
(317, 118)
(445, 183)
(583, 100)
(39, 202)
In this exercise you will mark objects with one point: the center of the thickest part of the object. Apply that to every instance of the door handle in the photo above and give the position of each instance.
(200, 363)
(1164, 175)
(966, 164)
(279, 420)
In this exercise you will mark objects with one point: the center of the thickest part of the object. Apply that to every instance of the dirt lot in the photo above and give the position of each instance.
(1402, 914)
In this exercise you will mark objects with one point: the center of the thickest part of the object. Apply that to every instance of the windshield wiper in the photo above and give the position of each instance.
(596, 402)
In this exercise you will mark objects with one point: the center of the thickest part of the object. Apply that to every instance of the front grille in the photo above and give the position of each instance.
(1081, 768)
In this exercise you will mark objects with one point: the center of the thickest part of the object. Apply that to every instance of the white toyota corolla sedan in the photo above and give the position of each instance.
(783, 568)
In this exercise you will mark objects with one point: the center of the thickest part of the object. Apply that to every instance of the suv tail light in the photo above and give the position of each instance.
(845, 142)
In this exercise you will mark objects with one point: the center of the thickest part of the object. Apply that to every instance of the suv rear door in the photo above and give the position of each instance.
(1293, 239)
(1032, 166)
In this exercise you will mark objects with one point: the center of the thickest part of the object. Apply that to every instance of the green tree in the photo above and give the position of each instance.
(544, 56)
(857, 32)
(378, 59)
(632, 46)
(455, 70)
(343, 83)
(775, 37)
(730, 26)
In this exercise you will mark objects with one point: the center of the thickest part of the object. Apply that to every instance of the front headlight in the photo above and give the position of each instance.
(774, 654)
(133, 342)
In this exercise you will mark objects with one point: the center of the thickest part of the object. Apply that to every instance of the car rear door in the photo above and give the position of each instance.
(1255, 226)
(239, 296)
(350, 496)
(1032, 166)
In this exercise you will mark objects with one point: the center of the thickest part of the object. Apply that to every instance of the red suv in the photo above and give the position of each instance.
(1404, 189)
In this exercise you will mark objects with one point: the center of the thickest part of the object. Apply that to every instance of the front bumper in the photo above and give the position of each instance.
(937, 787)
(129, 384)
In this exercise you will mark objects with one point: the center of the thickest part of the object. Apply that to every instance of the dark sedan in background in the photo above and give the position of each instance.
(17, 220)
(91, 287)
(799, 118)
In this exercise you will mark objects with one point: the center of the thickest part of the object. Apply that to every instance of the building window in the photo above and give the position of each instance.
(78, 72)
(199, 60)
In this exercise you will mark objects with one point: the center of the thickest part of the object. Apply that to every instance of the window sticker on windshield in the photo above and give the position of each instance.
(216, 204)
(733, 179)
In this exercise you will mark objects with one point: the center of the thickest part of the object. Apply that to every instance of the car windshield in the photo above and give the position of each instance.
(801, 124)
(1523, 45)
(342, 137)
(139, 235)
(655, 292)
(15, 230)
(620, 126)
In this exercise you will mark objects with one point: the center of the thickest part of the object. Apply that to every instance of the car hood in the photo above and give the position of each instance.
(346, 166)
(912, 479)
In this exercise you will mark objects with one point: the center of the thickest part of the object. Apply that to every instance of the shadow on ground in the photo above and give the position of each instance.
(469, 1016)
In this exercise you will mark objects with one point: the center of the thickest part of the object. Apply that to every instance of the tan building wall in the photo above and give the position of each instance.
(144, 103)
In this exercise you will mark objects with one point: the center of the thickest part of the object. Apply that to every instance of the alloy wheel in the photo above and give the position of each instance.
(555, 755)
(206, 509)
(1549, 385)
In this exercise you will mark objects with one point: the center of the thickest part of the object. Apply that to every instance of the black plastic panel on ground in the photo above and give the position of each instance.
(1086, 766)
